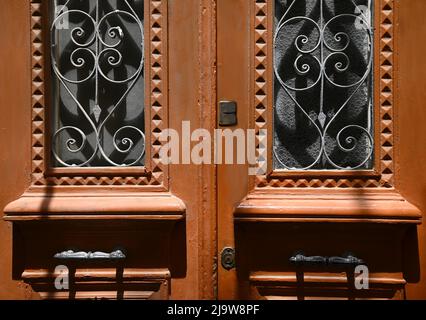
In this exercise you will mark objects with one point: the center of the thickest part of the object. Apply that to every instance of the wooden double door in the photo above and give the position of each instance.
(217, 230)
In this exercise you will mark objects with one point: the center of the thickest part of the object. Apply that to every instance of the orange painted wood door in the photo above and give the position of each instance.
(141, 232)
(213, 230)
(278, 221)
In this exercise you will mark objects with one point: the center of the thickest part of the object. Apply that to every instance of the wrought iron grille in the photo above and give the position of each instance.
(97, 57)
(323, 89)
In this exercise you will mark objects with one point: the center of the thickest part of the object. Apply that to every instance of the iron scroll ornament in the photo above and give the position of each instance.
(323, 85)
(97, 76)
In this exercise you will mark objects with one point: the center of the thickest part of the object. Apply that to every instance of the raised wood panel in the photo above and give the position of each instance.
(311, 286)
(144, 272)
(111, 284)
(95, 206)
(347, 206)
(264, 250)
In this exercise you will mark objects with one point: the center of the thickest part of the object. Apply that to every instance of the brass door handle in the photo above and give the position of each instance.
(96, 255)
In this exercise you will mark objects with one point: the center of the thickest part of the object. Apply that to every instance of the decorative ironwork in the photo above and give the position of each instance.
(323, 84)
(97, 50)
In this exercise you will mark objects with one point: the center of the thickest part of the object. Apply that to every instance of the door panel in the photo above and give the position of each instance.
(143, 274)
(265, 250)
(271, 217)
(155, 215)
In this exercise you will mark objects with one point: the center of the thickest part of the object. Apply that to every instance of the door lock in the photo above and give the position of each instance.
(228, 258)
(227, 113)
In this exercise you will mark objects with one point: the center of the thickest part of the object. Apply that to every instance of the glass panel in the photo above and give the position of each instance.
(97, 55)
(323, 102)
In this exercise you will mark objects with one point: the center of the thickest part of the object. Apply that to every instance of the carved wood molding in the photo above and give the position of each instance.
(281, 285)
(156, 110)
(98, 206)
(119, 283)
(262, 93)
(380, 207)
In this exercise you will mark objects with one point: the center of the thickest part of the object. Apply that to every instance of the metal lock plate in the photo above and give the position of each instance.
(227, 113)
